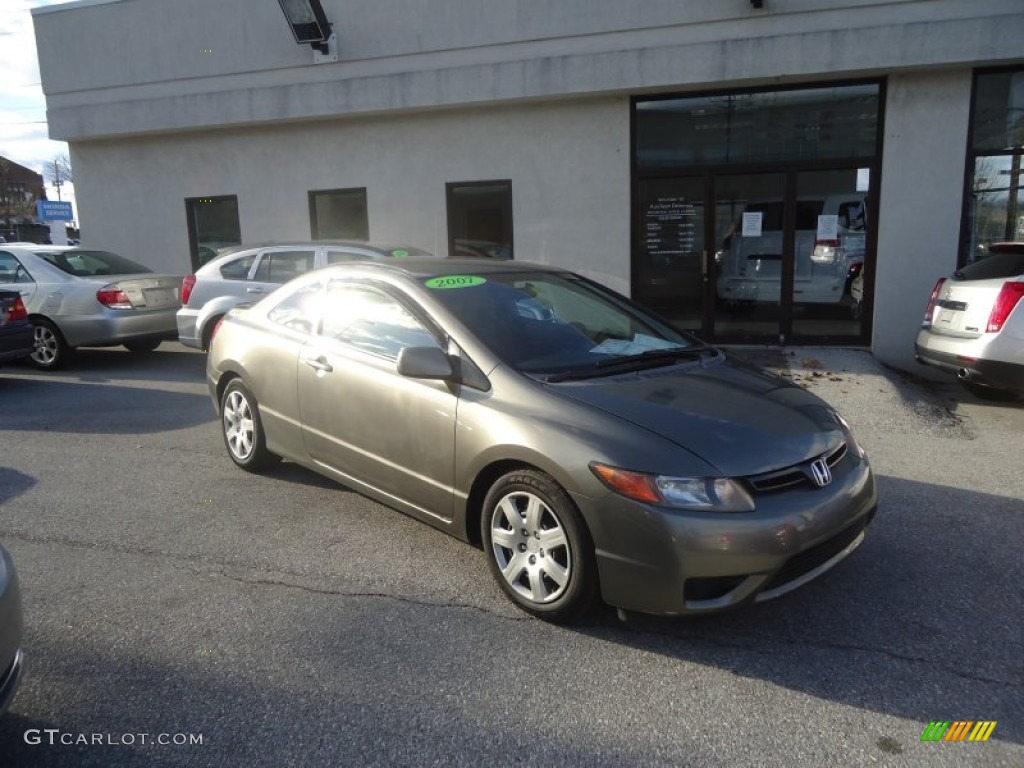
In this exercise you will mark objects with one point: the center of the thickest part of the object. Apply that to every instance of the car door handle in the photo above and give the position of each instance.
(318, 363)
(255, 290)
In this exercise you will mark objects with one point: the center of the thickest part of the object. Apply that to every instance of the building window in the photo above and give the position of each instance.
(212, 224)
(480, 219)
(995, 197)
(338, 214)
(798, 124)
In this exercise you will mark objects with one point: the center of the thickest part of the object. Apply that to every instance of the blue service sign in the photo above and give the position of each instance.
(54, 210)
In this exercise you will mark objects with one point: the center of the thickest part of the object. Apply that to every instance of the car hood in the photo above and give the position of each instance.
(740, 420)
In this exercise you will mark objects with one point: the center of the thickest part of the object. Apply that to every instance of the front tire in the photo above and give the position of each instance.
(50, 350)
(243, 430)
(537, 546)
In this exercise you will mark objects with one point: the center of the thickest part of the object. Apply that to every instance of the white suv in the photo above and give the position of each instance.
(974, 324)
(245, 273)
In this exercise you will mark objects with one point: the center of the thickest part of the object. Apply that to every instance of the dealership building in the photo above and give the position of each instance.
(761, 171)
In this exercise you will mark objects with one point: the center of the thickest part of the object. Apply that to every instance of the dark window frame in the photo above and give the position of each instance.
(190, 219)
(972, 154)
(314, 223)
(507, 208)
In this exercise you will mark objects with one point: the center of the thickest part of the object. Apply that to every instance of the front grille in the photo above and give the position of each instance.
(817, 555)
(795, 475)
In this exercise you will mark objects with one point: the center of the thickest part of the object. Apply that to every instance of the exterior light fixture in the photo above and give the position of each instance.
(310, 26)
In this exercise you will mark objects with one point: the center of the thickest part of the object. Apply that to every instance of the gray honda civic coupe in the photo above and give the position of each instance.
(589, 448)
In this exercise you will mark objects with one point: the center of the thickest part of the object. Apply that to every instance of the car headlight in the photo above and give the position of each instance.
(851, 442)
(711, 494)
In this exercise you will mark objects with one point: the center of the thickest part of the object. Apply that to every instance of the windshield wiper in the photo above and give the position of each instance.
(669, 353)
(652, 358)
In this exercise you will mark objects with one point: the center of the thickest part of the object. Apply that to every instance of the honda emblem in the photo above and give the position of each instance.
(820, 473)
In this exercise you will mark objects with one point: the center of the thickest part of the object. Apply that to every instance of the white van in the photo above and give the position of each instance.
(749, 268)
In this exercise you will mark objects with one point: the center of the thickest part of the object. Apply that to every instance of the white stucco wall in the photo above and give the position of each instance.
(923, 164)
(568, 164)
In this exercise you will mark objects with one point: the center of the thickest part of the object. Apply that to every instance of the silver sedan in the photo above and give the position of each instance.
(587, 446)
(77, 297)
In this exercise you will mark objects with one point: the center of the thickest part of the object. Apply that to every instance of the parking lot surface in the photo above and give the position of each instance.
(285, 620)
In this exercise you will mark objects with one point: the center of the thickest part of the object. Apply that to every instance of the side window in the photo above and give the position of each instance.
(11, 270)
(238, 269)
(301, 310)
(371, 321)
(340, 257)
(852, 215)
(282, 266)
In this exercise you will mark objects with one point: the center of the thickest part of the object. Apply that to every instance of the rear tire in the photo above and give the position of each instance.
(538, 547)
(243, 430)
(51, 350)
(993, 394)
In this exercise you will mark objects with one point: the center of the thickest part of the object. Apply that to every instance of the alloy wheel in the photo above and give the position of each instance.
(46, 346)
(530, 547)
(239, 429)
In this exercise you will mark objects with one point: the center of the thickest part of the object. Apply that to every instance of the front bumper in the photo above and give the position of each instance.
(10, 631)
(675, 562)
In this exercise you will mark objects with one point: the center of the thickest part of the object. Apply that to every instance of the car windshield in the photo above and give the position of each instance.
(92, 263)
(1003, 260)
(560, 325)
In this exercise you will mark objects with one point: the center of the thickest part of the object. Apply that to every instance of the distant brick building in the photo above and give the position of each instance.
(20, 188)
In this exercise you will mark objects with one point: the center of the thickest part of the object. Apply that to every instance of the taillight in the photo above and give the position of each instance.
(1009, 295)
(825, 251)
(927, 322)
(186, 287)
(17, 310)
(112, 296)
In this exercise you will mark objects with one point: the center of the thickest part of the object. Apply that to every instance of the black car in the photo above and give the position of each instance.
(16, 334)
(10, 630)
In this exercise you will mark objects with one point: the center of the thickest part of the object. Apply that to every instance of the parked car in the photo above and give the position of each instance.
(16, 337)
(10, 630)
(974, 324)
(749, 268)
(587, 445)
(248, 272)
(481, 249)
(80, 297)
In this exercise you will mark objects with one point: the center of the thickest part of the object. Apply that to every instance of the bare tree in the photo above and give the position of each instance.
(59, 171)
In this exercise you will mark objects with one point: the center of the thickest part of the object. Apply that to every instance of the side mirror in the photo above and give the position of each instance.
(425, 363)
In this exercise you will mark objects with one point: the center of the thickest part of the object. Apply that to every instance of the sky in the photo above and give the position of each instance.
(23, 133)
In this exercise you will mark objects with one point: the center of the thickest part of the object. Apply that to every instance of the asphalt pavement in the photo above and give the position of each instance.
(284, 620)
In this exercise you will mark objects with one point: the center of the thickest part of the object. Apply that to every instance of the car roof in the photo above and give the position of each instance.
(437, 267)
(238, 248)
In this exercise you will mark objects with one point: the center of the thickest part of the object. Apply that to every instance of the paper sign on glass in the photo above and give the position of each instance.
(828, 227)
(752, 223)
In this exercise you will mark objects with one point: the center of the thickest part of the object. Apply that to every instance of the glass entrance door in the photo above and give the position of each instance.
(750, 261)
(830, 254)
(671, 273)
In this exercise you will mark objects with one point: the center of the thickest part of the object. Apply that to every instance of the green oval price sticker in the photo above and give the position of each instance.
(455, 281)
